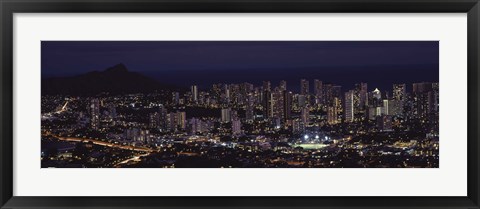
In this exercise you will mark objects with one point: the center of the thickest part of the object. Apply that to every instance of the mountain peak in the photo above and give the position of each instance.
(116, 80)
(117, 68)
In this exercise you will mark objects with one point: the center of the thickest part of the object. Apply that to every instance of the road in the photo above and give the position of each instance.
(63, 109)
(134, 158)
(108, 144)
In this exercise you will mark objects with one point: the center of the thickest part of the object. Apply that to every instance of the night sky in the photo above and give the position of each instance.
(183, 63)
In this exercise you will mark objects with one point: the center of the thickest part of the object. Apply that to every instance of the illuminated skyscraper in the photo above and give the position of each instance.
(267, 105)
(330, 91)
(250, 109)
(159, 119)
(424, 97)
(399, 97)
(302, 100)
(436, 97)
(175, 98)
(349, 106)
(337, 104)
(226, 115)
(132, 134)
(304, 87)
(226, 94)
(181, 120)
(377, 94)
(283, 85)
(318, 91)
(331, 115)
(362, 89)
(385, 107)
(278, 103)
(171, 119)
(287, 104)
(267, 86)
(305, 116)
(194, 91)
(236, 127)
(144, 136)
(298, 126)
(195, 126)
(95, 114)
(154, 120)
(399, 91)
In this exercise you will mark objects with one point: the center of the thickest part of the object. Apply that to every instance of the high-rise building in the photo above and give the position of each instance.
(399, 92)
(337, 104)
(394, 107)
(375, 98)
(194, 92)
(302, 100)
(159, 119)
(377, 94)
(424, 97)
(399, 96)
(436, 97)
(327, 94)
(385, 107)
(305, 116)
(331, 115)
(175, 98)
(154, 120)
(318, 91)
(95, 114)
(137, 135)
(171, 120)
(144, 136)
(362, 89)
(304, 87)
(132, 134)
(278, 103)
(226, 115)
(250, 108)
(267, 104)
(181, 119)
(195, 126)
(267, 86)
(163, 118)
(287, 105)
(236, 127)
(226, 94)
(349, 106)
(283, 85)
(298, 126)
(234, 115)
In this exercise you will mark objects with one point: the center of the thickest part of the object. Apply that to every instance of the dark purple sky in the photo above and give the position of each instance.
(380, 63)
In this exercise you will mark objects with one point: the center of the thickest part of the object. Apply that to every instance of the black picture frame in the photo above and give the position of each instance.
(9, 7)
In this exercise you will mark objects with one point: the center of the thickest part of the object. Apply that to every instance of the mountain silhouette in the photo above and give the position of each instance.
(114, 80)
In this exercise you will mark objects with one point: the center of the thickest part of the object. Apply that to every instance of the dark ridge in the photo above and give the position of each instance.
(113, 80)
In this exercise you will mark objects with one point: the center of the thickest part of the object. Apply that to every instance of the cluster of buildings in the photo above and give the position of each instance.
(247, 116)
(326, 104)
(277, 108)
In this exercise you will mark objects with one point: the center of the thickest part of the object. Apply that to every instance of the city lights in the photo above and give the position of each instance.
(287, 116)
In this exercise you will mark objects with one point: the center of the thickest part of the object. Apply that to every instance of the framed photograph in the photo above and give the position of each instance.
(239, 104)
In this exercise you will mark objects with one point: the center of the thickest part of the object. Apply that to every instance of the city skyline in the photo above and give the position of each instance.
(120, 118)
